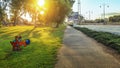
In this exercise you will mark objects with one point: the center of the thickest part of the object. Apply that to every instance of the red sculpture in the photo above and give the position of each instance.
(18, 42)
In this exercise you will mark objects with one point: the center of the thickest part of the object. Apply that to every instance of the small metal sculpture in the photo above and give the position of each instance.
(18, 42)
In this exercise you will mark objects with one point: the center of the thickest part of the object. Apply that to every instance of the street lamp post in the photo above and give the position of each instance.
(89, 14)
(79, 11)
(79, 7)
(104, 11)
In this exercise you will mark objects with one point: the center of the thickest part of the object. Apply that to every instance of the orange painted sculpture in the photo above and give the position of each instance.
(18, 42)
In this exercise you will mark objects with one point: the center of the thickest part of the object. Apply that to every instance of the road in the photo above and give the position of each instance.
(115, 29)
(80, 51)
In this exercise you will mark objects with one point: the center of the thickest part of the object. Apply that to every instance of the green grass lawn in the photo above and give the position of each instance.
(41, 53)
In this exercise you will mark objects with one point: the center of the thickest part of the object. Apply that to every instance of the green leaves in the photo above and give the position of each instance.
(57, 10)
(107, 39)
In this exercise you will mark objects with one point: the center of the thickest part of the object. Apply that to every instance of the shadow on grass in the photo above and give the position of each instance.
(28, 32)
(25, 34)
(40, 53)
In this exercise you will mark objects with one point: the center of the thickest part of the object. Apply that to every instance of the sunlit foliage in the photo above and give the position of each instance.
(54, 11)
(3, 14)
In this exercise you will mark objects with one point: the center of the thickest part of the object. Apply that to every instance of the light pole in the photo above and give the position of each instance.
(89, 14)
(79, 7)
(79, 11)
(104, 10)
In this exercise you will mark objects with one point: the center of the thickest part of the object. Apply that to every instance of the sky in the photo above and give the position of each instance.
(93, 6)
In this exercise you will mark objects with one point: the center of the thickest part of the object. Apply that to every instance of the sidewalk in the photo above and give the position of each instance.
(80, 51)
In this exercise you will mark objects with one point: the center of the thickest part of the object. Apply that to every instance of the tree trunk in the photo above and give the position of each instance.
(4, 23)
(57, 25)
(15, 21)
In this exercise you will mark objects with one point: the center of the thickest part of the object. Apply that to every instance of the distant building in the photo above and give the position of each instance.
(73, 18)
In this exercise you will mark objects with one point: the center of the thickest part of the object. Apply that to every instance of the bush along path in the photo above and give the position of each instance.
(105, 38)
(80, 51)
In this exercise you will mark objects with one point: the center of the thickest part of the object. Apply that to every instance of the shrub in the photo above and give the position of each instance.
(105, 38)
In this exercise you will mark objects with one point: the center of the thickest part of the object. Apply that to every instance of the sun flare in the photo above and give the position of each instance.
(42, 12)
(41, 2)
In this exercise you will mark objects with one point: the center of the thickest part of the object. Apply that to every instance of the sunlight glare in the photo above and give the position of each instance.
(42, 12)
(41, 2)
(27, 17)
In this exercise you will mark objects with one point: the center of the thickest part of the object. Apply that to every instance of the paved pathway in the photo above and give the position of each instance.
(80, 51)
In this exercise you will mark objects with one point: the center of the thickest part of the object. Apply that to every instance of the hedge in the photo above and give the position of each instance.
(105, 38)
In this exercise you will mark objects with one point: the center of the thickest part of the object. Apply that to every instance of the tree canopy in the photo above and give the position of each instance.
(114, 18)
(54, 11)
(3, 6)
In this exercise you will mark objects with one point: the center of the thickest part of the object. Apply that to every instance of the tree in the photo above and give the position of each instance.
(3, 14)
(114, 19)
(22, 7)
(55, 10)
(17, 10)
(99, 20)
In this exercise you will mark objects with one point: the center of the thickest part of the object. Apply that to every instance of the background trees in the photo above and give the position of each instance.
(55, 11)
(3, 14)
(114, 19)
(16, 10)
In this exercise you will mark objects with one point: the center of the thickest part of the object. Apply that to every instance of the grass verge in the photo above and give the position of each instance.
(41, 53)
(105, 38)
